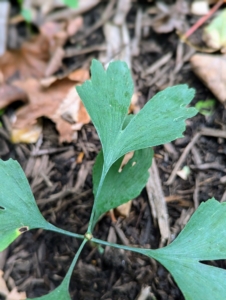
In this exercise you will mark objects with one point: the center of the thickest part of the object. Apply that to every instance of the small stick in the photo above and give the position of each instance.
(213, 132)
(198, 161)
(182, 158)
(156, 65)
(157, 201)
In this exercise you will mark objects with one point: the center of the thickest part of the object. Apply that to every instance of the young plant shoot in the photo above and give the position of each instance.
(107, 98)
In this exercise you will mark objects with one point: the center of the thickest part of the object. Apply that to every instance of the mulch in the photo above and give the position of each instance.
(62, 185)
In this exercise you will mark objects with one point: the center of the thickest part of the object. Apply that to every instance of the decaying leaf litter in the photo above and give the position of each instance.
(39, 106)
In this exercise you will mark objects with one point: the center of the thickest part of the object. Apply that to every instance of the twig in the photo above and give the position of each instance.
(107, 14)
(63, 194)
(198, 161)
(157, 202)
(72, 51)
(159, 63)
(121, 234)
(213, 132)
(50, 151)
(182, 158)
(67, 13)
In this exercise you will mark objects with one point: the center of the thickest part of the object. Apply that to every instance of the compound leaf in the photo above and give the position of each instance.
(107, 97)
(203, 238)
(129, 181)
(18, 209)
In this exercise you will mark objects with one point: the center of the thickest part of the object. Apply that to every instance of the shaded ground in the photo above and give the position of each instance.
(62, 184)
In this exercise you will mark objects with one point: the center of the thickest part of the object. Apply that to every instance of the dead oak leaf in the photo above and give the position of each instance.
(211, 69)
(14, 294)
(47, 102)
(29, 61)
(10, 94)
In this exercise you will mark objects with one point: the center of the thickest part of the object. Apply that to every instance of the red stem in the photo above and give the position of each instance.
(203, 19)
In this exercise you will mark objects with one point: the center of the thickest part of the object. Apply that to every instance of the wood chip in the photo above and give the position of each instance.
(157, 202)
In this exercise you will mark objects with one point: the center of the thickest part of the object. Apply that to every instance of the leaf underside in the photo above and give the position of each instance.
(203, 238)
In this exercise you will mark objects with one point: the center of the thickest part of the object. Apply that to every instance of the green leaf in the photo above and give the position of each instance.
(107, 97)
(18, 209)
(27, 14)
(203, 238)
(71, 3)
(120, 187)
(215, 33)
(60, 293)
(205, 107)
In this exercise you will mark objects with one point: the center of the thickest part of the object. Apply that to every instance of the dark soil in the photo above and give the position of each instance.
(38, 261)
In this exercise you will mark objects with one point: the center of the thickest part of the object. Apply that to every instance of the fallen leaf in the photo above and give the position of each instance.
(14, 294)
(29, 61)
(10, 94)
(55, 62)
(3, 288)
(184, 173)
(124, 209)
(28, 134)
(215, 33)
(71, 110)
(53, 102)
(74, 25)
(211, 69)
(80, 75)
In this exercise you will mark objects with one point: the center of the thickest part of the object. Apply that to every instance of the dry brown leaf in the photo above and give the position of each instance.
(55, 62)
(28, 135)
(10, 94)
(74, 25)
(79, 75)
(50, 30)
(51, 102)
(29, 61)
(14, 294)
(3, 288)
(71, 110)
(211, 69)
(124, 209)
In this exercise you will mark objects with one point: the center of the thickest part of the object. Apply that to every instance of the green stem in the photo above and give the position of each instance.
(70, 270)
(65, 232)
(103, 175)
(128, 248)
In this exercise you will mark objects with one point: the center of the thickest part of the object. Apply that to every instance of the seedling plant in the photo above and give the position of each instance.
(107, 98)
